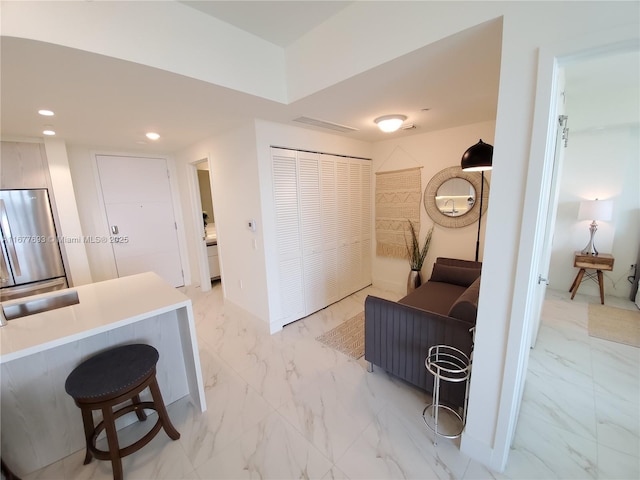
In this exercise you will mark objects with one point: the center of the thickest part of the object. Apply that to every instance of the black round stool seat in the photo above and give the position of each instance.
(112, 372)
(109, 379)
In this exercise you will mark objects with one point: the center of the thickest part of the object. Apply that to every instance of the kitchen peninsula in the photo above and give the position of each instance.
(40, 423)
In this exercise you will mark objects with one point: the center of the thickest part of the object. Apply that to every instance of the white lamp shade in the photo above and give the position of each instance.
(596, 210)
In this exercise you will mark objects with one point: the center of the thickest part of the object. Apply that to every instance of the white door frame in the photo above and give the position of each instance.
(201, 247)
(624, 38)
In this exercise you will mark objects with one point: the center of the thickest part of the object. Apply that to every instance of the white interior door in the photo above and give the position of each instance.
(551, 212)
(139, 207)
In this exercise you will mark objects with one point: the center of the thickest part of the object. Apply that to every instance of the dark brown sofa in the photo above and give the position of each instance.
(440, 312)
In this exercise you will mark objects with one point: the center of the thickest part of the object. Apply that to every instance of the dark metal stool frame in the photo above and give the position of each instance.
(105, 403)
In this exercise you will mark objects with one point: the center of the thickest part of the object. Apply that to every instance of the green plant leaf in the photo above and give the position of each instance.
(416, 253)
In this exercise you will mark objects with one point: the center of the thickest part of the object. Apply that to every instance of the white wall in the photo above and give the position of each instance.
(433, 151)
(66, 206)
(236, 198)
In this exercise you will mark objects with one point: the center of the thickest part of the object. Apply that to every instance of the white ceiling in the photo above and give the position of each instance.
(280, 23)
(109, 103)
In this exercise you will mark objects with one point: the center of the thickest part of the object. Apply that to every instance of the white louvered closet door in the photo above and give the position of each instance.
(355, 225)
(329, 227)
(324, 220)
(311, 221)
(285, 189)
(343, 230)
(366, 227)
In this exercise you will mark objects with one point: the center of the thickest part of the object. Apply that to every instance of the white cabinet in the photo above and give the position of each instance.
(323, 228)
(214, 264)
(23, 165)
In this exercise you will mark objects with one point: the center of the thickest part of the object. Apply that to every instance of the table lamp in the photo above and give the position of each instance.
(594, 210)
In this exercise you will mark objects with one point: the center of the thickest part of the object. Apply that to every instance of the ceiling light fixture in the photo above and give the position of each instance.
(390, 123)
(48, 131)
(153, 136)
(46, 113)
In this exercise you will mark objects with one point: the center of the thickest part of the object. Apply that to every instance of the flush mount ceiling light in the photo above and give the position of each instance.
(48, 131)
(153, 136)
(390, 123)
(46, 113)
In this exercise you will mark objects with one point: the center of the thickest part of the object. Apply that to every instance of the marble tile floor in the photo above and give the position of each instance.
(285, 406)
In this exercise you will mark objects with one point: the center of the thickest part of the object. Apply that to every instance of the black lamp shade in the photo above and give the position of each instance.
(478, 157)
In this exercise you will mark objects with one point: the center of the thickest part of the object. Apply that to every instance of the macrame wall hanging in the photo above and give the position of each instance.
(398, 195)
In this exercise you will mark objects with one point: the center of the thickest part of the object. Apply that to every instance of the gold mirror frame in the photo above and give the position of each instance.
(474, 178)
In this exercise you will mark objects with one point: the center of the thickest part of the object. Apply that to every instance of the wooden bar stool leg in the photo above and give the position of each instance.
(87, 422)
(162, 411)
(601, 284)
(142, 416)
(112, 440)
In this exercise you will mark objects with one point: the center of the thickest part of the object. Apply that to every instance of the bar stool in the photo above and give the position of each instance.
(109, 379)
(450, 365)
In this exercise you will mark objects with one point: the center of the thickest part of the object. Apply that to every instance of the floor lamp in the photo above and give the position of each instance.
(478, 158)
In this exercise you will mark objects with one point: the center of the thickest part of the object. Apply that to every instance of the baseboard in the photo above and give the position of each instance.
(390, 286)
(480, 452)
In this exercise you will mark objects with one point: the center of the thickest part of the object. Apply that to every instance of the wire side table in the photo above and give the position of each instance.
(450, 365)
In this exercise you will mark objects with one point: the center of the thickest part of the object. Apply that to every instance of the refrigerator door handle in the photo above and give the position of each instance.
(5, 275)
(11, 249)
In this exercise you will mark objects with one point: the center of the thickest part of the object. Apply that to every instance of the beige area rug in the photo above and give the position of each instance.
(615, 324)
(347, 337)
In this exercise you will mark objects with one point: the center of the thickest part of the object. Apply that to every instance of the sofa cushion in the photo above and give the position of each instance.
(456, 275)
(456, 262)
(465, 308)
(434, 297)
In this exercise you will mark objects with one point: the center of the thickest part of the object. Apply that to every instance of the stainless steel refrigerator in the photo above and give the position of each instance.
(31, 260)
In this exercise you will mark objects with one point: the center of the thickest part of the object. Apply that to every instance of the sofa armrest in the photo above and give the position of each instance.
(466, 306)
(398, 337)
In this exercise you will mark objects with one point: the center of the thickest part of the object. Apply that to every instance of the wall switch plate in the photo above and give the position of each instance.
(252, 225)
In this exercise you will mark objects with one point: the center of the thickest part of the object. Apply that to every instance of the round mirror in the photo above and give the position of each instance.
(455, 197)
(452, 197)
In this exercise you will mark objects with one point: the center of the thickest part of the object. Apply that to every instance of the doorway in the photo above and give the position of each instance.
(138, 201)
(550, 61)
(206, 236)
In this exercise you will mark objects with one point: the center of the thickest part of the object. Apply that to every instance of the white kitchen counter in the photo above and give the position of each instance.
(40, 422)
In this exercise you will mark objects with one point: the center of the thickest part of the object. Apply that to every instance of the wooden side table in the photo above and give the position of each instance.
(600, 262)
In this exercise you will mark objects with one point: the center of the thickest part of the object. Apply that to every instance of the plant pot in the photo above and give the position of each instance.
(414, 281)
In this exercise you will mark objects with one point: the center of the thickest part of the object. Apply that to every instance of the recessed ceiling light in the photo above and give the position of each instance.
(48, 131)
(46, 113)
(153, 136)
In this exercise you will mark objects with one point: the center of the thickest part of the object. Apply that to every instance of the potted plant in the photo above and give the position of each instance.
(416, 256)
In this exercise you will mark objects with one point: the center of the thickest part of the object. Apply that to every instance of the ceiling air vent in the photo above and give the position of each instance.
(324, 124)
